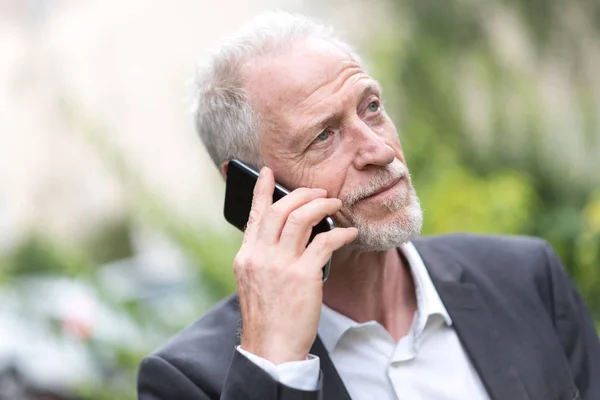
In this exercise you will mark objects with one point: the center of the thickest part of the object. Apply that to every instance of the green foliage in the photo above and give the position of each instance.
(459, 200)
(499, 175)
(109, 242)
(39, 254)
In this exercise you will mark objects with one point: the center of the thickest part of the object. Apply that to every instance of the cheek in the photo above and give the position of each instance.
(292, 172)
(289, 171)
(330, 177)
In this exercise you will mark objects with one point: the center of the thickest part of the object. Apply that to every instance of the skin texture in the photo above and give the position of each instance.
(323, 127)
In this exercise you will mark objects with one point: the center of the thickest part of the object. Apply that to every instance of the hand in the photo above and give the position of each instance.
(279, 279)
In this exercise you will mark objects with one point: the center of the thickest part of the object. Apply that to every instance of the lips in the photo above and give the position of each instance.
(383, 189)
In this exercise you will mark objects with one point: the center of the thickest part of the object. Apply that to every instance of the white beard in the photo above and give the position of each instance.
(403, 222)
(397, 229)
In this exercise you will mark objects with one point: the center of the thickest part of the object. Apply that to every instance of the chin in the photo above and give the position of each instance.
(391, 231)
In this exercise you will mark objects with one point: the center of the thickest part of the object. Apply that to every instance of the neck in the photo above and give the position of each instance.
(372, 286)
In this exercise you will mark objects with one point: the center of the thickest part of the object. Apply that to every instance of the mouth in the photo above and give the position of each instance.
(384, 189)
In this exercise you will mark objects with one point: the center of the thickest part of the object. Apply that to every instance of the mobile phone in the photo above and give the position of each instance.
(239, 190)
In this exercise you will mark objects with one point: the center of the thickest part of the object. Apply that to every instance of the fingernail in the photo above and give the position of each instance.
(262, 172)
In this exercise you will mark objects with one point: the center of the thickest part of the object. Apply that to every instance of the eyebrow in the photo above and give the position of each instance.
(373, 87)
(369, 89)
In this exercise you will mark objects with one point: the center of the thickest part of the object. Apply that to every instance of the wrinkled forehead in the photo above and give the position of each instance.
(281, 85)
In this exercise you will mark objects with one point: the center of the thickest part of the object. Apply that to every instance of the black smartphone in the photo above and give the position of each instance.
(239, 190)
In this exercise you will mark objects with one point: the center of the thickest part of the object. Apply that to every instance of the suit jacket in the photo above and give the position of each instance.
(516, 312)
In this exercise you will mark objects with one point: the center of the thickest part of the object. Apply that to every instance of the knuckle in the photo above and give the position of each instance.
(240, 260)
(254, 216)
(257, 196)
(238, 269)
(331, 203)
(257, 189)
(296, 274)
(323, 241)
(275, 210)
(296, 217)
(301, 191)
(320, 239)
(252, 264)
(244, 260)
(275, 267)
(305, 193)
(277, 261)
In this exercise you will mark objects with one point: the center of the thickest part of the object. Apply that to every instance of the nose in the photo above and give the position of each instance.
(371, 149)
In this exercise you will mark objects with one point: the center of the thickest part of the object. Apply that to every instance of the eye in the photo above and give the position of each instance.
(323, 136)
(374, 106)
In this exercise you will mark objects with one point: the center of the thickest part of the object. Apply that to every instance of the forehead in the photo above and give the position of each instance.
(284, 85)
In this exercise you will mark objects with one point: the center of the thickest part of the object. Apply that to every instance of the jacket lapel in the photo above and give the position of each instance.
(333, 387)
(479, 325)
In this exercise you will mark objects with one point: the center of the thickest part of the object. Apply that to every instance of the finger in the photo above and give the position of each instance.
(299, 224)
(324, 244)
(275, 218)
(262, 198)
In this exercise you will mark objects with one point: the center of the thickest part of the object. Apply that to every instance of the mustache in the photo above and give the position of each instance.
(383, 178)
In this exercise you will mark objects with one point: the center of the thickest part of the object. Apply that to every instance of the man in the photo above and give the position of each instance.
(448, 317)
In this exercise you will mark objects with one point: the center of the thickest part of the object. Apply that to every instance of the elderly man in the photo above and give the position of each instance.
(450, 317)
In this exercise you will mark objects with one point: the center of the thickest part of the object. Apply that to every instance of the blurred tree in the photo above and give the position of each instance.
(40, 254)
(110, 242)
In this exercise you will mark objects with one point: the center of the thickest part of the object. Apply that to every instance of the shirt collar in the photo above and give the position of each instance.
(333, 325)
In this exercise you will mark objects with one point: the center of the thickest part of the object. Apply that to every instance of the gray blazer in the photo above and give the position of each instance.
(516, 312)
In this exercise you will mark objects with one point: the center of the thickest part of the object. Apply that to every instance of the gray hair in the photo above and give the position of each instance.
(225, 121)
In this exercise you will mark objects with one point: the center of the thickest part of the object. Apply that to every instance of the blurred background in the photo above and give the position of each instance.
(111, 230)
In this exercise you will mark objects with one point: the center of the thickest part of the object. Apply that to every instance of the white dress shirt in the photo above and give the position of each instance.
(428, 363)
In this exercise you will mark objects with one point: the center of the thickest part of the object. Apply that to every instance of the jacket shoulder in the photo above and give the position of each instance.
(500, 264)
(478, 245)
(492, 254)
